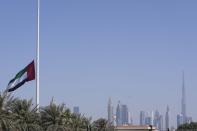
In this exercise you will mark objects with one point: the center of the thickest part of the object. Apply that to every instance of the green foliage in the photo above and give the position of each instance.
(190, 126)
(55, 117)
(24, 115)
(6, 122)
(21, 115)
(102, 125)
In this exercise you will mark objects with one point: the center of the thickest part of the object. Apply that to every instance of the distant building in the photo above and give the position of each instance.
(158, 121)
(152, 117)
(110, 112)
(161, 123)
(125, 115)
(183, 118)
(148, 120)
(180, 120)
(118, 115)
(167, 119)
(142, 118)
(189, 119)
(183, 101)
(76, 110)
(130, 119)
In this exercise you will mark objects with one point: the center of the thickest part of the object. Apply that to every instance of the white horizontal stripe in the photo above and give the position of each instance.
(17, 81)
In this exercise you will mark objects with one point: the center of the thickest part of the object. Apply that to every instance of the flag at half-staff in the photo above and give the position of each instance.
(25, 75)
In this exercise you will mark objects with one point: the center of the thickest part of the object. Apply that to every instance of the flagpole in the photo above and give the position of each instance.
(38, 57)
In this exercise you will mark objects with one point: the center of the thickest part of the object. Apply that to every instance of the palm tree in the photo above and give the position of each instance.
(100, 124)
(24, 115)
(21, 115)
(85, 122)
(76, 122)
(5, 117)
(67, 115)
(55, 118)
(188, 126)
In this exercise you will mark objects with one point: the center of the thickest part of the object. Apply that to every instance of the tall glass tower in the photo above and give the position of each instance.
(118, 115)
(125, 114)
(167, 118)
(183, 101)
(142, 118)
(110, 112)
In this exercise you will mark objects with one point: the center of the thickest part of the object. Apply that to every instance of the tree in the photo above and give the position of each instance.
(79, 122)
(5, 117)
(55, 118)
(21, 115)
(24, 116)
(86, 122)
(187, 126)
(100, 124)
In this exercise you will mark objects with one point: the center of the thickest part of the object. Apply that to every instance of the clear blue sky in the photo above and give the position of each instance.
(132, 51)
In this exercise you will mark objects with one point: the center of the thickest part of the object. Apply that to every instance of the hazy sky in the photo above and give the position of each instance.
(130, 50)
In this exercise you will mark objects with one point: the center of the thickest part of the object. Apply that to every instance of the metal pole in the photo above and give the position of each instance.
(38, 57)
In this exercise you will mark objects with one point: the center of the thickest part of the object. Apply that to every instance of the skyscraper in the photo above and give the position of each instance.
(183, 101)
(130, 119)
(76, 110)
(125, 114)
(110, 111)
(167, 119)
(161, 123)
(142, 118)
(158, 121)
(118, 115)
(179, 120)
(152, 117)
(183, 118)
(149, 118)
(156, 118)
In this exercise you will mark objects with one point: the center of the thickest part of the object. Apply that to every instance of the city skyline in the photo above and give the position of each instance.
(122, 116)
(131, 51)
(146, 118)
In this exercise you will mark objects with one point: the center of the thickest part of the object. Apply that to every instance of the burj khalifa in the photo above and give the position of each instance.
(183, 101)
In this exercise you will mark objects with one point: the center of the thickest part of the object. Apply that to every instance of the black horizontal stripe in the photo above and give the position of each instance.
(17, 86)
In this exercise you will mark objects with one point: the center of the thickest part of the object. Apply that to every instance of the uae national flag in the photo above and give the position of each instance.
(25, 75)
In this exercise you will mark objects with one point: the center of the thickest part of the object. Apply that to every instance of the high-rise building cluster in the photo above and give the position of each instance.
(146, 118)
(182, 118)
(155, 119)
(122, 115)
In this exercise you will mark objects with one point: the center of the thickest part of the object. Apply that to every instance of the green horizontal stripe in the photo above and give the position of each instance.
(18, 75)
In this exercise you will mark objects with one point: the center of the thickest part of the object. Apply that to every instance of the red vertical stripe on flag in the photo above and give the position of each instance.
(30, 71)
